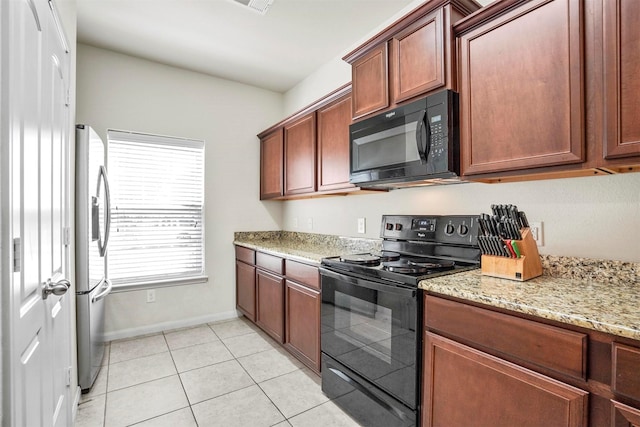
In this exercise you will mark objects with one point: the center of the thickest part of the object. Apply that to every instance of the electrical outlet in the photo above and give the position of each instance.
(362, 225)
(151, 295)
(310, 223)
(536, 232)
(295, 222)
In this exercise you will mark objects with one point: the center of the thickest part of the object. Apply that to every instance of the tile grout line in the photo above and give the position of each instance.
(180, 378)
(234, 357)
(106, 389)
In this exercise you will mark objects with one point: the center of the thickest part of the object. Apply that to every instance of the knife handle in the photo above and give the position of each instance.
(514, 245)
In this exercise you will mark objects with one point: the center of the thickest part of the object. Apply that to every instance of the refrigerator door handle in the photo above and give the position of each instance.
(102, 246)
(106, 291)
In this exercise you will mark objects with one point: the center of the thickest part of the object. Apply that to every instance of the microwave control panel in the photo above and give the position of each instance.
(441, 112)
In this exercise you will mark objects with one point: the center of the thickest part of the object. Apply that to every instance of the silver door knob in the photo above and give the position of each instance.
(57, 288)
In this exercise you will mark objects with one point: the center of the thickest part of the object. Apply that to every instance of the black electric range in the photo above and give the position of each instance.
(372, 314)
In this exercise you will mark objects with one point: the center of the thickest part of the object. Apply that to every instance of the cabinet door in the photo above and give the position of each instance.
(624, 416)
(521, 89)
(333, 145)
(246, 289)
(418, 62)
(271, 166)
(300, 156)
(270, 304)
(622, 85)
(303, 323)
(464, 387)
(625, 378)
(369, 76)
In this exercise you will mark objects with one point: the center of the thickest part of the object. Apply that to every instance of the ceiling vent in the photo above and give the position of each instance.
(260, 6)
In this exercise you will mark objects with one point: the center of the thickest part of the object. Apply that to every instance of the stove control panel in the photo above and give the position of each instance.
(452, 229)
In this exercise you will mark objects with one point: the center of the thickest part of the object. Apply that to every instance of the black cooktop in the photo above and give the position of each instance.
(406, 269)
(415, 248)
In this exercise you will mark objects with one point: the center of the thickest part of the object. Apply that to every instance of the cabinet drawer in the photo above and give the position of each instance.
(509, 337)
(270, 262)
(303, 273)
(245, 255)
(626, 371)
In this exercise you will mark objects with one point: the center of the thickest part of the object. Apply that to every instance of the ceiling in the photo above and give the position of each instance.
(222, 38)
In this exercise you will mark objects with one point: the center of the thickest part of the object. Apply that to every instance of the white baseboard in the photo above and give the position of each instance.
(165, 326)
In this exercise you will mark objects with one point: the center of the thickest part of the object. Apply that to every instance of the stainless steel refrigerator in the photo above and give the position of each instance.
(93, 221)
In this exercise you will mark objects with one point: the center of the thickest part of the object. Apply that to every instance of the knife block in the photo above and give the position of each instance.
(524, 268)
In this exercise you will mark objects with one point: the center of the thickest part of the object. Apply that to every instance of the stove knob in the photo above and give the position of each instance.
(398, 227)
(449, 229)
(463, 229)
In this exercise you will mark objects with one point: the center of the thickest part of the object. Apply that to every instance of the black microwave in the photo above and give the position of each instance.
(412, 144)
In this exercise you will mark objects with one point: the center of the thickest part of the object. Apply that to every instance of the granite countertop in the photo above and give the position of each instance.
(606, 306)
(304, 247)
(600, 295)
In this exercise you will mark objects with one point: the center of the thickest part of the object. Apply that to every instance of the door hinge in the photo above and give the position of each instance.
(67, 236)
(67, 101)
(68, 379)
(16, 255)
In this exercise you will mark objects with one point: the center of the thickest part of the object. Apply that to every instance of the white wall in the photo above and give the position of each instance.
(123, 92)
(595, 217)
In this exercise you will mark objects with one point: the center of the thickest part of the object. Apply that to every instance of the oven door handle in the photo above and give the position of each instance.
(390, 289)
(355, 384)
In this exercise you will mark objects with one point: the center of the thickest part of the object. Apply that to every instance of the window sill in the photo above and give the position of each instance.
(159, 284)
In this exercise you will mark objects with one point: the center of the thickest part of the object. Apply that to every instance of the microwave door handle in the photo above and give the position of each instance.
(423, 128)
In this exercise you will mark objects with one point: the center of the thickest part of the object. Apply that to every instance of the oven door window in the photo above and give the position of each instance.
(372, 332)
(386, 144)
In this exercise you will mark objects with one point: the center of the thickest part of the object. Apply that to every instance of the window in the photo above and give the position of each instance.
(157, 210)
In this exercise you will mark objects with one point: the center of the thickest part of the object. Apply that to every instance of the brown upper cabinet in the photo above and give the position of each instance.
(412, 57)
(418, 57)
(333, 145)
(370, 77)
(549, 88)
(271, 165)
(521, 96)
(300, 156)
(307, 154)
(621, 47)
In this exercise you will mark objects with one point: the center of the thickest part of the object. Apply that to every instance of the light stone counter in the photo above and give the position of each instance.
(611, 306)
(304, 247)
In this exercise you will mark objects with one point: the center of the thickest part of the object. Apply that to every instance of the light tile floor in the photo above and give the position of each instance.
(219, 374)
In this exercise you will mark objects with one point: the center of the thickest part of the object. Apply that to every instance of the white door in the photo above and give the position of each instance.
(34, 93)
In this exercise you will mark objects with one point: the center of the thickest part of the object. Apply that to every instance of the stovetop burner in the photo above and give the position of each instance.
(386, 256)
(360, 259)
(412, 266)
(371, 259)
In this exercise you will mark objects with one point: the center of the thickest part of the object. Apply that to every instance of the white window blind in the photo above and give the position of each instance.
(157, 208)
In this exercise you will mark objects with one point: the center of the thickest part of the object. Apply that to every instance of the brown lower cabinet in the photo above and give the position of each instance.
(246, 289)
(302, 314)
(282, 297)
(624, 416)
(464, 387)
(485, 366)
(270, 304)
